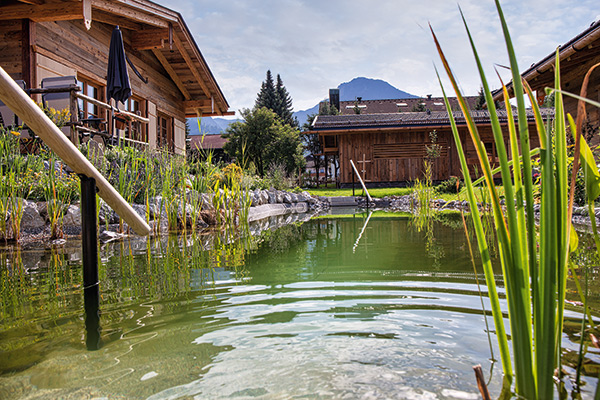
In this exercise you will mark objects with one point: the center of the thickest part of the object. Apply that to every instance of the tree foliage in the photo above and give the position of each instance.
(480, 104)
(267, 97)
(276, 98)
(264, 140)
(285, 109)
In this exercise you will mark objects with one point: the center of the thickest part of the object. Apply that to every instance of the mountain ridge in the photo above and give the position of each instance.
(365, 88)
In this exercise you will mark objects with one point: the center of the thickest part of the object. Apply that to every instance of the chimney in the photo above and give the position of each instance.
(334, 98)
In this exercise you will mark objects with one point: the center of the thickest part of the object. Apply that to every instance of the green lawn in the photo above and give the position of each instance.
(379, 193)
(382, 192)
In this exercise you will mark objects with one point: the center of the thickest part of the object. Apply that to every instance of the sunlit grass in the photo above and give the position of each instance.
(375, 192)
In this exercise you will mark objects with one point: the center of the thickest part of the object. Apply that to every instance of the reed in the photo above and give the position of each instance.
(534, 276)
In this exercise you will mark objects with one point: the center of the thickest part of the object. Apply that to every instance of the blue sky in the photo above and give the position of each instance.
(316, 45)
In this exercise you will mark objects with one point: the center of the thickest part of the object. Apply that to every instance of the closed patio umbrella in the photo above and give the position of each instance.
(117, 80)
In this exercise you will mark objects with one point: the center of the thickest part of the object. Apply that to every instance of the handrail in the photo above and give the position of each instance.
(22, 105)
(109, 107)
(361, 181)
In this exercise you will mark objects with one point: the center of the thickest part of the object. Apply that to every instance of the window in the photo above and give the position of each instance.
(164, 132)
(88, 110)
(135, 130)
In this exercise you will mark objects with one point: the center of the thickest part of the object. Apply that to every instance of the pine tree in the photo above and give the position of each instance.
(267, 97)
(481, 104)
(284, 106)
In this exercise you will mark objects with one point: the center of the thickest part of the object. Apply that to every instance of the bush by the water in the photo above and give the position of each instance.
(451, 185)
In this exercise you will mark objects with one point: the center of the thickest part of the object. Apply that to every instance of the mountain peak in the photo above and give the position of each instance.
(370, 89)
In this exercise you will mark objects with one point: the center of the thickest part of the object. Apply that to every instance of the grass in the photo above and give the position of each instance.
(375, 192)
(382, 192)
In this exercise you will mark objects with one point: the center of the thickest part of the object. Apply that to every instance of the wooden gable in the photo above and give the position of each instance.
(156, 38)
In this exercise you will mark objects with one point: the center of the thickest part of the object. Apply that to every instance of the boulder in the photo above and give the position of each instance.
(72, 216)
(31, 218)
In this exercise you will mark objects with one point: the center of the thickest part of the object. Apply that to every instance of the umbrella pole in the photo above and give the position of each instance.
(89, 244)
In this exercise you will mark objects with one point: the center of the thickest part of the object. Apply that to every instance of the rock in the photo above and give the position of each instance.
(109, 236)
(107, 215)
(272, 197)
(255, 198)
(31, 218)
(264, 197)
(279, 196)
(72, 216)
(140, 210)
(287, 198)
(208, 217)
(206, 203)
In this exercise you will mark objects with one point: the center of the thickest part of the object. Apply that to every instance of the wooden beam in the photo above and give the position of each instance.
(87, 14)
(149, 39)
(192, 66)
(61, 11)
(110, 19)
(32, 1)
(203, 103)
(133, 14)
(165, 63)
(28, 61)
(194, 113)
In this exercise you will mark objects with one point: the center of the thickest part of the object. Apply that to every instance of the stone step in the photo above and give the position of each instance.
(342, 201)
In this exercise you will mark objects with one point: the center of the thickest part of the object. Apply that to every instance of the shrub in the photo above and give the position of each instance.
(451, 185)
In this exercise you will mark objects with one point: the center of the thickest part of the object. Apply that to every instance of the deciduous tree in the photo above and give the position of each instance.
(263, 140)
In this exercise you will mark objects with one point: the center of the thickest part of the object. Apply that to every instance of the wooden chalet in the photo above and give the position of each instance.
(42, 40)
(576, 57)
(389, 149)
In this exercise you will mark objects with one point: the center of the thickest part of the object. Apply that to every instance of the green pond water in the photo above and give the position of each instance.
(330, 308)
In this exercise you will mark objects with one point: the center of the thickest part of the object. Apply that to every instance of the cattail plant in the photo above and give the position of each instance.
(534, 266)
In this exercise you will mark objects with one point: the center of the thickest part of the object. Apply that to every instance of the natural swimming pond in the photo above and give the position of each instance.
(355, 306)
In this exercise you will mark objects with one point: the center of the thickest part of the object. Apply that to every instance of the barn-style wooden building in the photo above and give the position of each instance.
(389, 149)
(48, 43)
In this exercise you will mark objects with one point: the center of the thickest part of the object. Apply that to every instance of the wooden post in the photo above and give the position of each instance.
(16, 99)
(73, 110)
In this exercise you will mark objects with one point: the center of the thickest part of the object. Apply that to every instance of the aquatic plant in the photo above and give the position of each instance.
(534, 276)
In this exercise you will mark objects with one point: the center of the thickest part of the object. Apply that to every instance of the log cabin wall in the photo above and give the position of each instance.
(85, 53)
(33, 51)
(397, 156)
(11, 48)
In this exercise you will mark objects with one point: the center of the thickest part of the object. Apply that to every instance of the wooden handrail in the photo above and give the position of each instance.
(361, 181)
(22, 105)
(109, 107)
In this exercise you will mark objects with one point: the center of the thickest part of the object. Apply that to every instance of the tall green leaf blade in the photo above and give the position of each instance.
(588, 163)
(482, 245)
(516, 260)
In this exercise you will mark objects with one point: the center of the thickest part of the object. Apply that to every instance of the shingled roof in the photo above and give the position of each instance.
(402, 105)
(409, 119)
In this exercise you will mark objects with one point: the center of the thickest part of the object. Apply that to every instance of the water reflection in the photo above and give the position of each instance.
(328, 308)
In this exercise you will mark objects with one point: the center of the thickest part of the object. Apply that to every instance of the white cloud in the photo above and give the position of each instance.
(318, 45)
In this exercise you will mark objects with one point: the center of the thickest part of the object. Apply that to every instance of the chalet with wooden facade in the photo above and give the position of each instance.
(576, 57)
(42, 39)
(389, 149)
